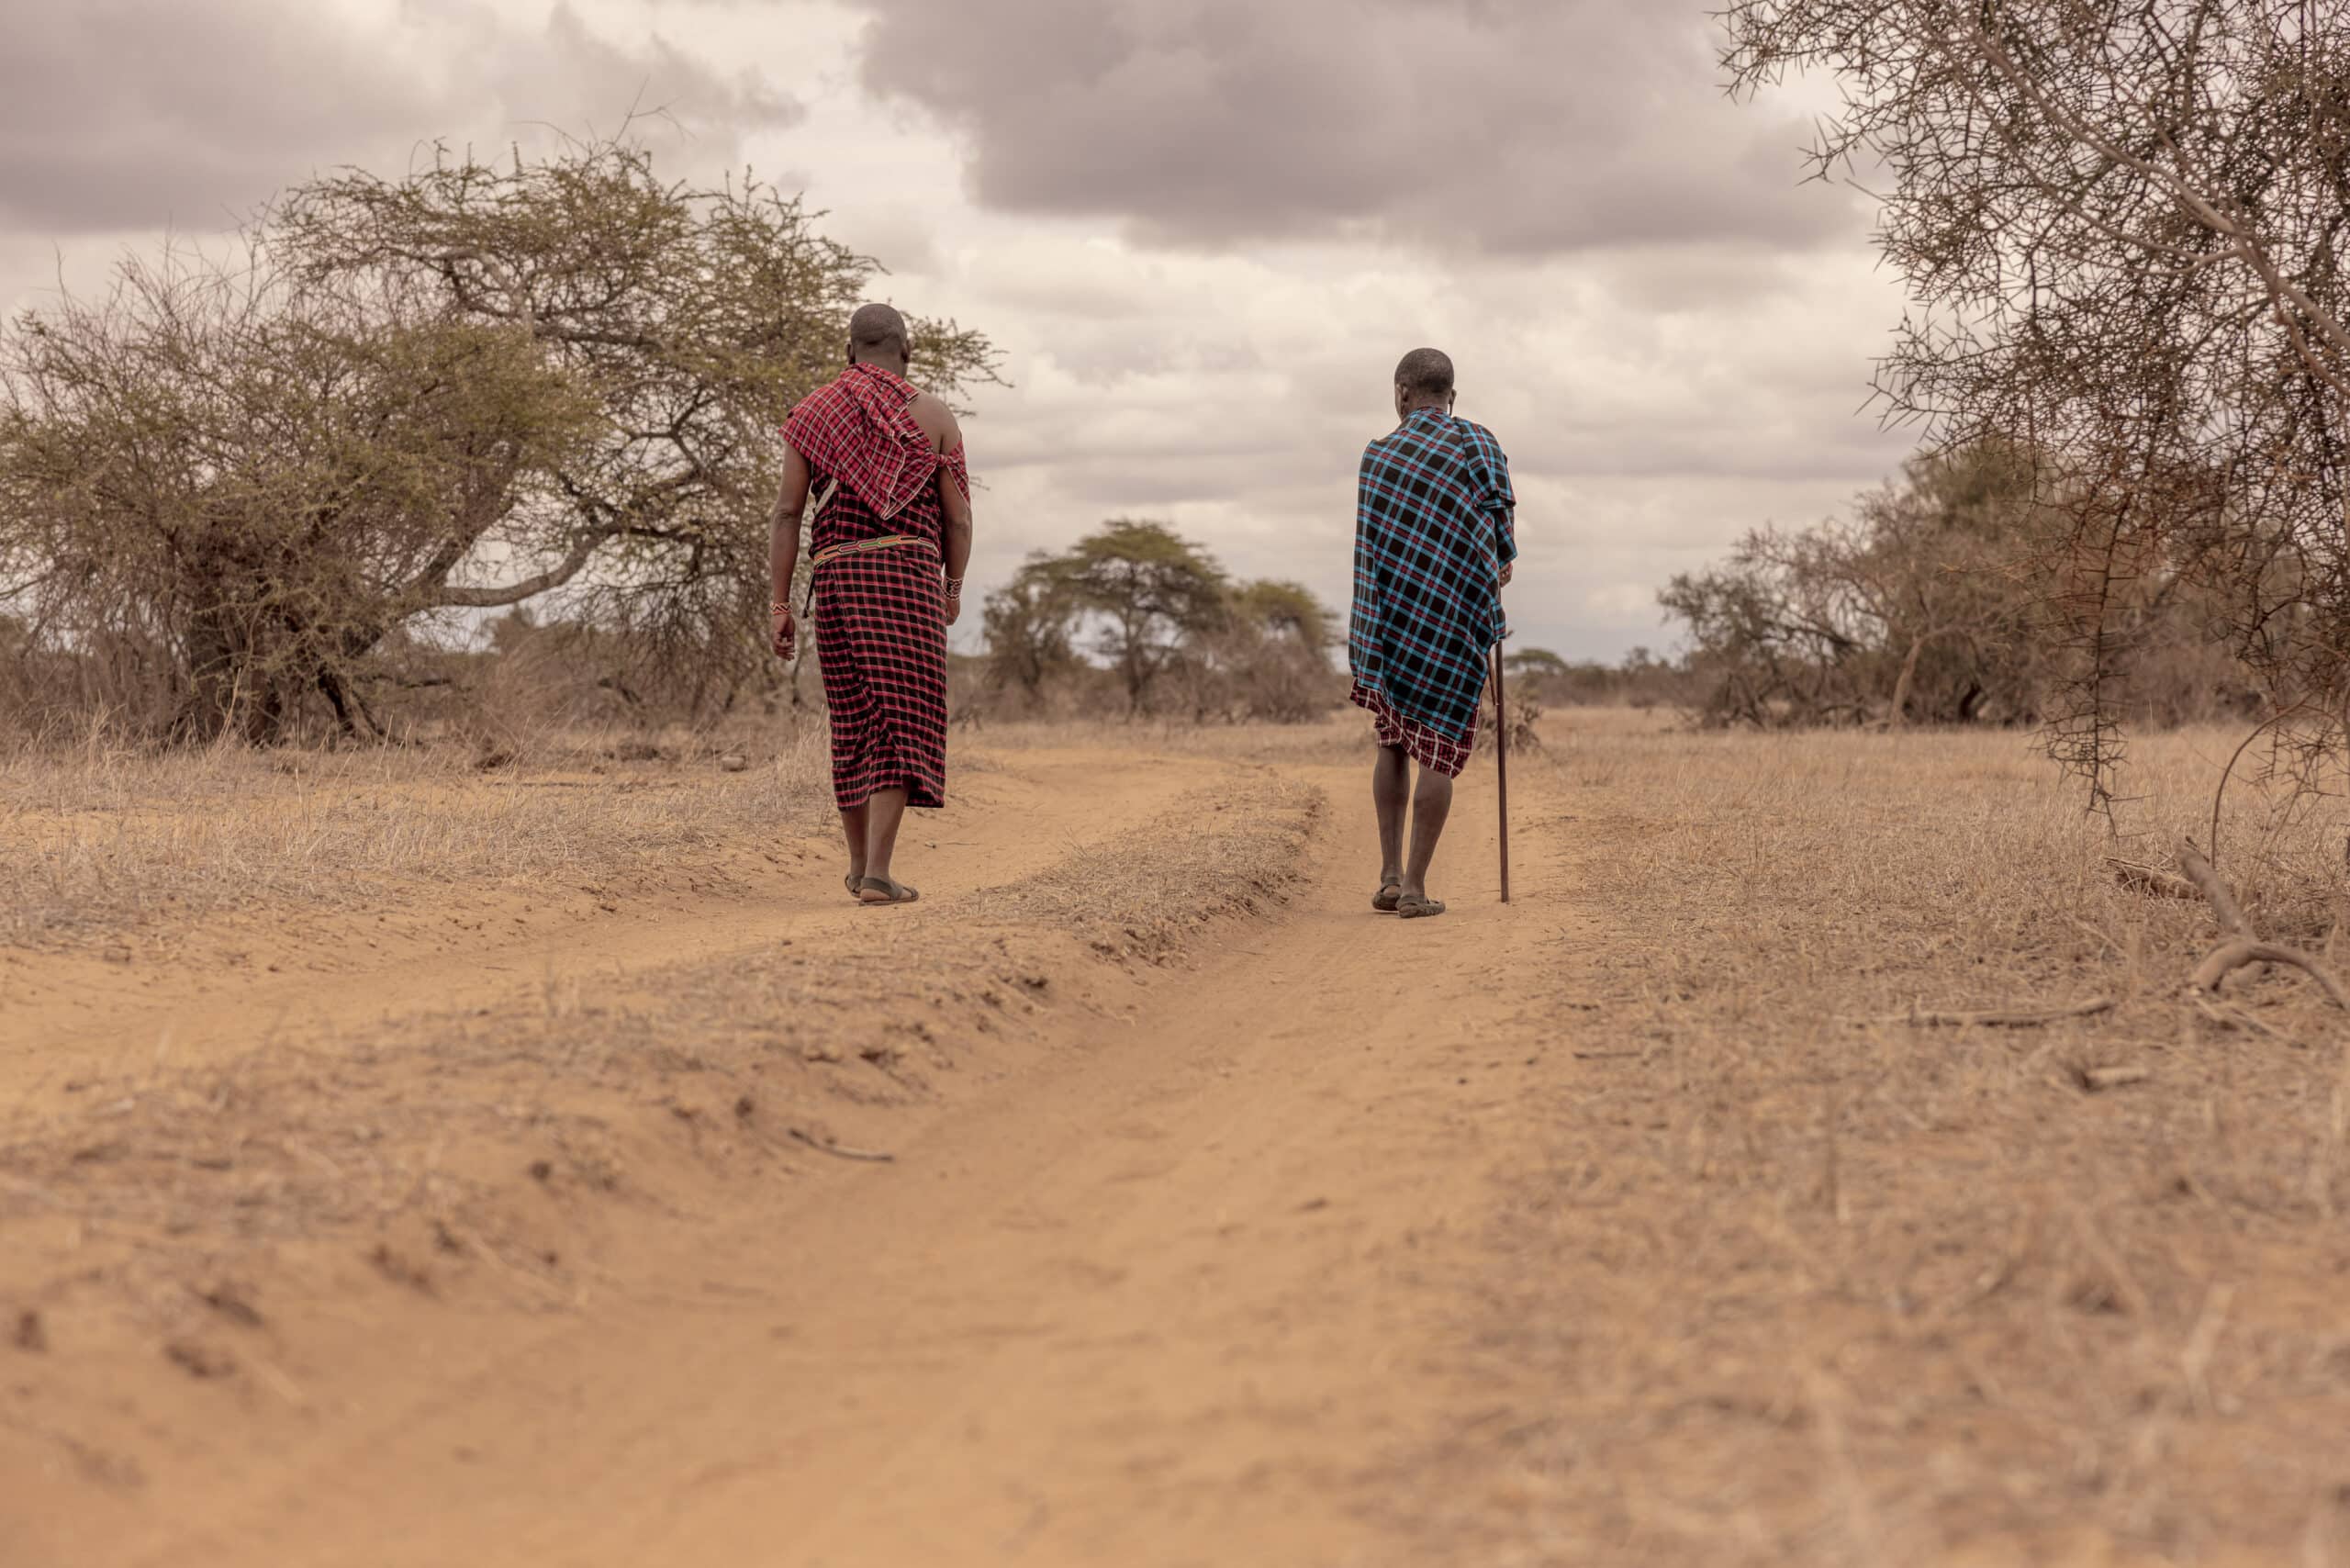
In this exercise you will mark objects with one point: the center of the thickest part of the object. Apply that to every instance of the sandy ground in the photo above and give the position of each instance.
(1152, 1277)
(1142, 1198)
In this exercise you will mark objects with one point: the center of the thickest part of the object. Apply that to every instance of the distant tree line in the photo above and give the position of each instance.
(1134, 618)
(1931, 604)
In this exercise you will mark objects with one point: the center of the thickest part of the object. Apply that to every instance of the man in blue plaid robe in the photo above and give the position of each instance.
(1435, 542)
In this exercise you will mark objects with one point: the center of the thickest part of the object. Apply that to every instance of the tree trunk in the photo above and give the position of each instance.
(227, 688)
(1909, 677)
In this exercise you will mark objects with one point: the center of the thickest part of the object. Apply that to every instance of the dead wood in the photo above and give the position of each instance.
(839, 1151)
(2242, 947)
(2230, 956)
(2224, 907)
(2153, 883)
(2002, 1019)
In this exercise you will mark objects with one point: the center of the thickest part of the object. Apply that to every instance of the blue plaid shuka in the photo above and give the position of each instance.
(1434, 523)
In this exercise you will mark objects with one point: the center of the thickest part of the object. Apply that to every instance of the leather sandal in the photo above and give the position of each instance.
(890, 889)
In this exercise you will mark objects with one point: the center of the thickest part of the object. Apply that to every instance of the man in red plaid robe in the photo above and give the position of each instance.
(879, 465)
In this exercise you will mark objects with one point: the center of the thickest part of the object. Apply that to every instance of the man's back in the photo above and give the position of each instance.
(1433, 545)
(1433, 532)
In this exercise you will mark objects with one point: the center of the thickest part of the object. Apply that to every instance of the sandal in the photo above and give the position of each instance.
(890, 889)
(1416, 908)
(1386, 899)
(856, 884)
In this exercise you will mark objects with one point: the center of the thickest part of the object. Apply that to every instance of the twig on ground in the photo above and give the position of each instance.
(840, 1151)
(2229, 1016)
(2242, 946)
(2000, 1019)
(2224, 907)
(2086, 929)
(2230, 956)
(2150, 881)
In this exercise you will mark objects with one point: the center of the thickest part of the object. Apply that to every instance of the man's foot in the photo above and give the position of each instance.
(856, 882)
(1417, 906)
(1386, 899)
(885, 890)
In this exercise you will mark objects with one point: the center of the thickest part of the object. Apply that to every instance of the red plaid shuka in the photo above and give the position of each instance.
(1428, 747)
(880, 617)
(861, 431)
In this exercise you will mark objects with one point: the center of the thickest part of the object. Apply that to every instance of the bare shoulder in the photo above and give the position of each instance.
(937, 420)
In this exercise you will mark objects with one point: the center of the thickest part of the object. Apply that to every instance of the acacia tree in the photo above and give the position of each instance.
(1031, 624)
(1153, 591)
(1923, 607)
(250, 484)
(1267, 655)
(454, 390)
(2121, 224)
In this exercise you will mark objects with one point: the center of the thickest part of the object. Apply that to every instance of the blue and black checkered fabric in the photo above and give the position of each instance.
(1433, 527)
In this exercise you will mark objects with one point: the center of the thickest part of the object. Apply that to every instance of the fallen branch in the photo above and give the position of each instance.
(2002, 1019)
(2230, 956)
(2153, 883)
(2242, 947)
(840, 1152)
(2224, 907)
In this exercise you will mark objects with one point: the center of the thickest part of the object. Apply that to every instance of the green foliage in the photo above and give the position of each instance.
(1286, 611)
(1534, 664)
(455, 390)
(2120, 226)
(1171, 627)
(1926, 606)
(1152, 590)
(1031, 624)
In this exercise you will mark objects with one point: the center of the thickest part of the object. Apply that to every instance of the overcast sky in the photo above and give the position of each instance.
(1202, 231)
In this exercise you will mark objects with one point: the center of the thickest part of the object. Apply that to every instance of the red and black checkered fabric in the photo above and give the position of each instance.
(859, 428)
(881, 645)
(1429, 748)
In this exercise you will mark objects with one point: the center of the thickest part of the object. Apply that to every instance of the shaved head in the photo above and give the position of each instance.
(878, 332)
(1426, 374)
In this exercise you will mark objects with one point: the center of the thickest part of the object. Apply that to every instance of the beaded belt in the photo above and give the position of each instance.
(860, 546)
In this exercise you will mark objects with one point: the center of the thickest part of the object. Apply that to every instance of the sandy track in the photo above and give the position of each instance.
(65, 1019)
(1171, 1286)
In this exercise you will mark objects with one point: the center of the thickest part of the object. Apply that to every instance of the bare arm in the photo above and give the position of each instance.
(954, 507)
(783, 549)
(954, 502)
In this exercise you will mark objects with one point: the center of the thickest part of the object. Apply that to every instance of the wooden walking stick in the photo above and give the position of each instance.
(1501, 761)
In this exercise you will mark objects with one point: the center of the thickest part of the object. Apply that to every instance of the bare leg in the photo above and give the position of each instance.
(853, 829)
(1390, 783)
(884, 811)
(1431, 804)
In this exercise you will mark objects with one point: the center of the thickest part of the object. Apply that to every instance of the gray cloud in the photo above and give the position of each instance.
(132, 114)
(1520, 127)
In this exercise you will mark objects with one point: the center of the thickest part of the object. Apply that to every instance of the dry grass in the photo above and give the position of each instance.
(1809, 1283)
(1802, 1281)
(467, 1153)
(98, 837)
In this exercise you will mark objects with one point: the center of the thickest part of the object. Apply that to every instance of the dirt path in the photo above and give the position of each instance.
(67, 1019)
(1171, 1285)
